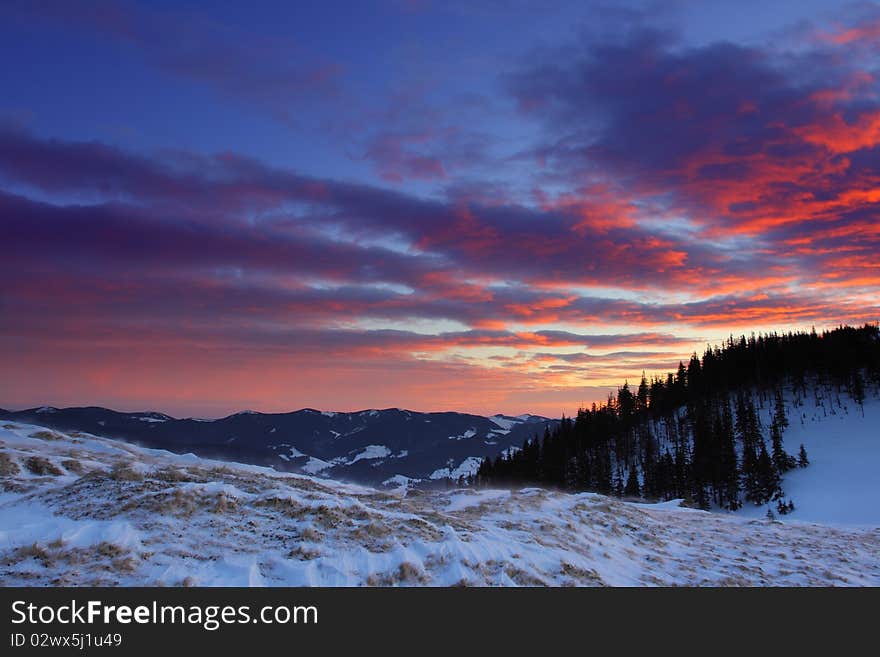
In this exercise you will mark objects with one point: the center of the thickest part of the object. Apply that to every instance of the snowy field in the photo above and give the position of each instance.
(82, 510)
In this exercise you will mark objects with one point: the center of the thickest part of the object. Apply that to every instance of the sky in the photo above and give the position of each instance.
(503, 206)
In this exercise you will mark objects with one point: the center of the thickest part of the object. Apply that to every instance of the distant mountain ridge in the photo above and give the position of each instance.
(389, 446)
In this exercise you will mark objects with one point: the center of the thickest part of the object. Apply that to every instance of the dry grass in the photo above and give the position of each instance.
(224, 504)
(311, 535)
(74, 466)
(303, 553)
(42, 466)
(45, 435)
(124, 472)
(34, 551)
(332, 518)
(581, 576)
(112, 557)
(8, 466)
(284, 505)
(523, 577)
(109, 550)
(177, 503)
(406, 573)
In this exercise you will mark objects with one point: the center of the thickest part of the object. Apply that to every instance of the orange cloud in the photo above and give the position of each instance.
(837, 136)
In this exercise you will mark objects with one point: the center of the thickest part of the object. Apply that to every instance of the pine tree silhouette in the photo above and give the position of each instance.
(632, 484)
(803, 461)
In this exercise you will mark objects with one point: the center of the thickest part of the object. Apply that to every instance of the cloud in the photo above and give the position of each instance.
(737, 139)
(227, 229)
(678, 193)
(495, 242)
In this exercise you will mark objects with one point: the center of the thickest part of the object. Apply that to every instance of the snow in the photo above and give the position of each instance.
(152, 419)
(400, 480)
(295, 453)
(184, 520)
(470, 433)
(839, 486)
(214, 488)
(466, 500)
(314, 466)
(505, 423)
(370, 452)
(465, 469)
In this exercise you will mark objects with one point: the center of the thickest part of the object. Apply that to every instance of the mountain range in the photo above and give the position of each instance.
(389, 447)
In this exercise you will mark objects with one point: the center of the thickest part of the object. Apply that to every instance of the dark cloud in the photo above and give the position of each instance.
(499, 242)
(736, 138)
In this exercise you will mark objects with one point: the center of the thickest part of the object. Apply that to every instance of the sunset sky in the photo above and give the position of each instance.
(496, 206)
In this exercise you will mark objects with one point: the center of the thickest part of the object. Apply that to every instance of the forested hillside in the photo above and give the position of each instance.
(713, 432)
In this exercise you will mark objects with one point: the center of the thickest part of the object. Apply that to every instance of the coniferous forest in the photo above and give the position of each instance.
(711, 433)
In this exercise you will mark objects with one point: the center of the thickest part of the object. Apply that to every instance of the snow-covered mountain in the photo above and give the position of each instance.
(370, 446)
(80, 509)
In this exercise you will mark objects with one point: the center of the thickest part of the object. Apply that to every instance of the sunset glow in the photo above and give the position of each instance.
(426, 205)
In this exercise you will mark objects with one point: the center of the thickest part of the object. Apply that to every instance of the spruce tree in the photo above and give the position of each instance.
(857, 390)
(750, 474)
(768, 477)
(779, 417)
(782, 461)
(730, 472)
(632, 484)
(803, 461)
(642, 394)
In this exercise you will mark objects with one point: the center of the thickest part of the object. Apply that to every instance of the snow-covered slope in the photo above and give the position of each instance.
(79, 509)
(842, 440)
